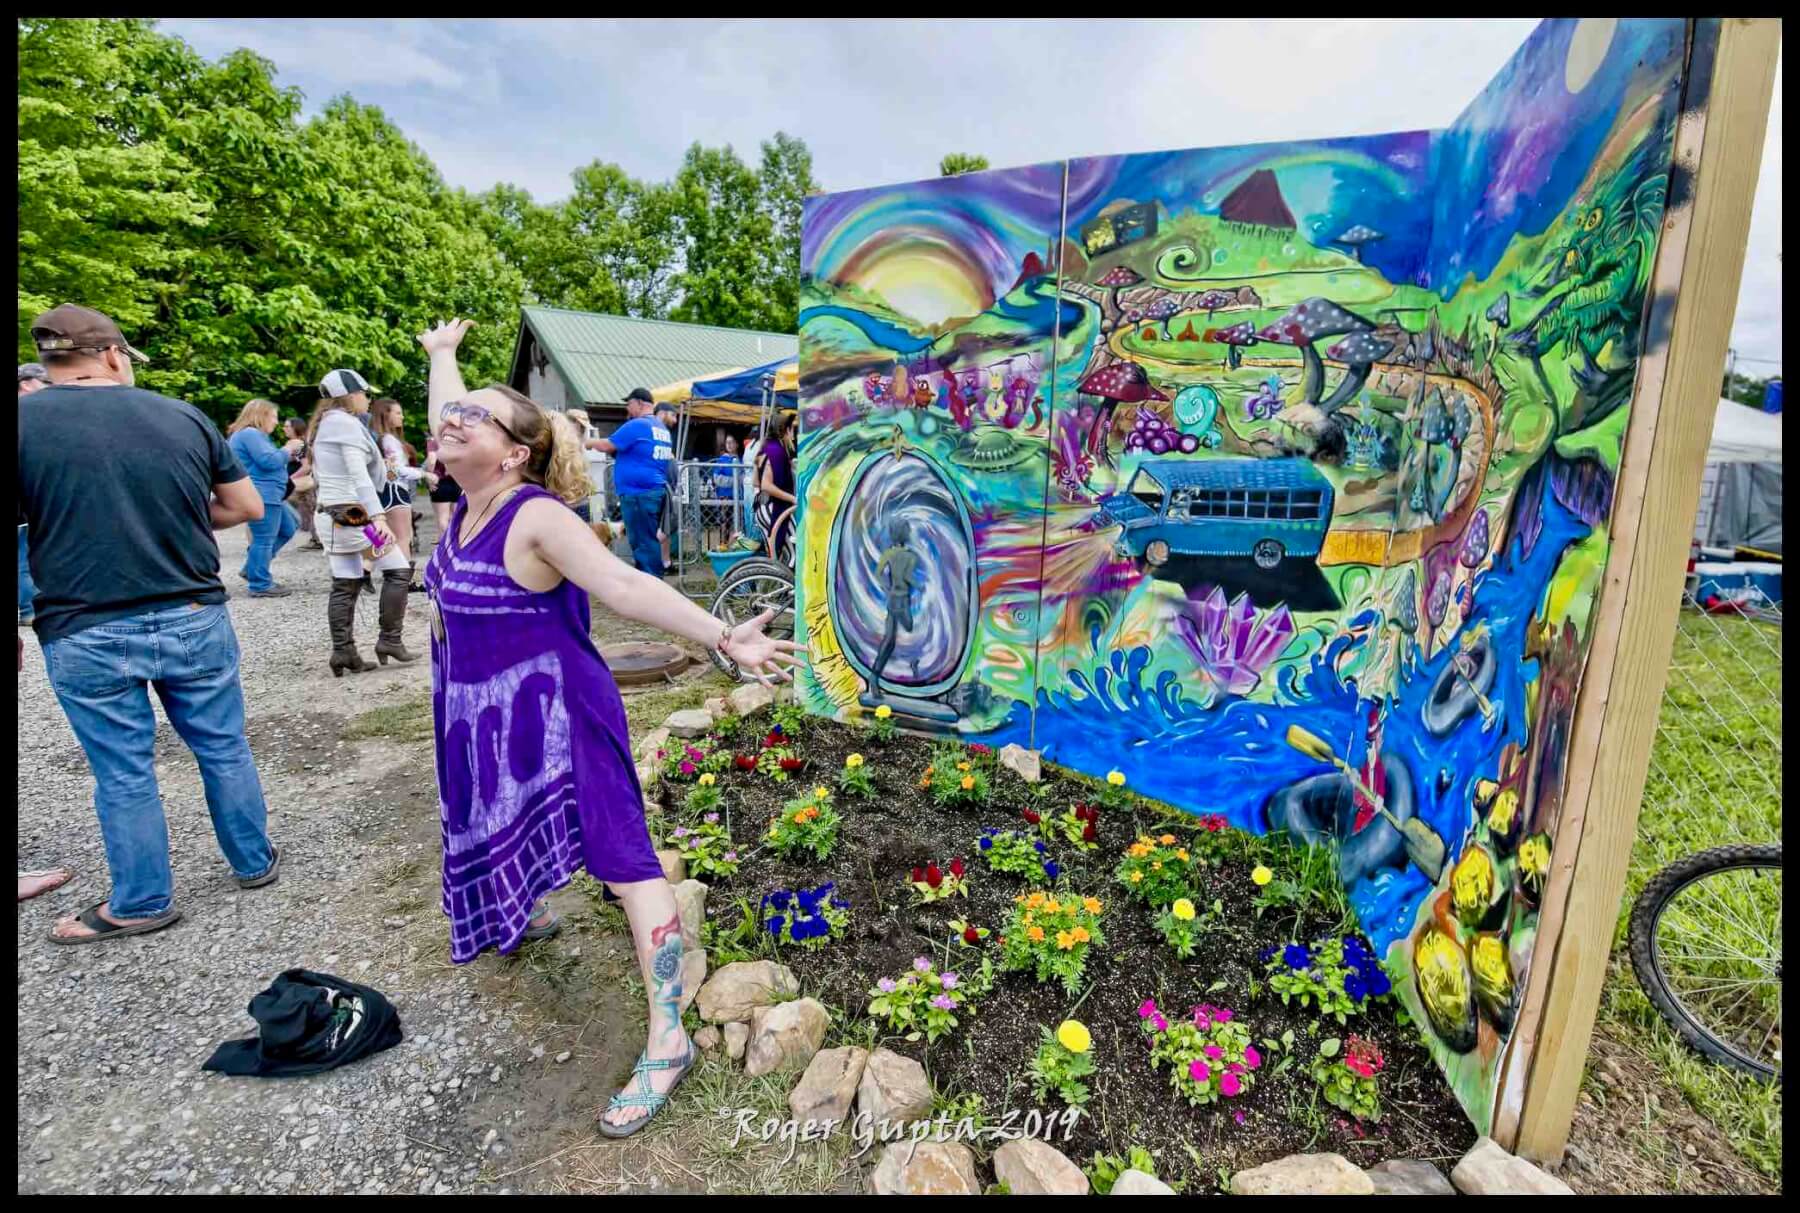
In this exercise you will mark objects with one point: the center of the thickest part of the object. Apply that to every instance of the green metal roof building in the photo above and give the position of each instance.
(565, 359)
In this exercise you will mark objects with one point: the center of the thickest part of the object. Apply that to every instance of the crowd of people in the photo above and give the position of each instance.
(120, 493)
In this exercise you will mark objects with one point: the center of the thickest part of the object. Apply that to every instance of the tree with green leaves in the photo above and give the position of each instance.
(958, 163)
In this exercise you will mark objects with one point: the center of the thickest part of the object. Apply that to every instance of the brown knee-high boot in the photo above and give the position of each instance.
(395, 584)
(340, 611)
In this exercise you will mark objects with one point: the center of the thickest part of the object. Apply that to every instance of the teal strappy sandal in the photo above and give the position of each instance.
(644, 1096)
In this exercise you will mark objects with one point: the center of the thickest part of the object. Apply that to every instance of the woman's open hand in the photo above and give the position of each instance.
(445, 335)
(762, 657)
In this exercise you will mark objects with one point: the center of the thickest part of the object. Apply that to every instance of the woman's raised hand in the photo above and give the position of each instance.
(762, 657)
(445, 335)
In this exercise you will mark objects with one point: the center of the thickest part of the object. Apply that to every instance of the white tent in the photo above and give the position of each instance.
(1741, 434)
(1740, 492)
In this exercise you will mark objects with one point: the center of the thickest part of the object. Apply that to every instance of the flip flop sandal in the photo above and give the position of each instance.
(549, 930)
(645, 1096)
(103, 929)
(268, 877)
(65, 873)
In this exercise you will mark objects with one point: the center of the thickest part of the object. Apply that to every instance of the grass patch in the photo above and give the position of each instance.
(409, 721)
(1715, 778)
(645, 710)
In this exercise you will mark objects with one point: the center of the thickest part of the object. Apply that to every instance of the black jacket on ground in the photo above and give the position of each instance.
(310, 1022)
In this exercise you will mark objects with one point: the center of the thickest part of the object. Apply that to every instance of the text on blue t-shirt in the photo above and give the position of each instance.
(642, 458)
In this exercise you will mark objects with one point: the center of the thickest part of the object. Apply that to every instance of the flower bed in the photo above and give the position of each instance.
(1258, 1096)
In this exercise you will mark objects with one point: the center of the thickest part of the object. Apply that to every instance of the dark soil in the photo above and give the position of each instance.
(885, 836)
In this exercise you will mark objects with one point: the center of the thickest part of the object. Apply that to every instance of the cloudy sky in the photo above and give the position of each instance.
(527, 101)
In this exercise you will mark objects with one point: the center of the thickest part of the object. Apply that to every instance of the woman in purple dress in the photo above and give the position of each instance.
(534, 766)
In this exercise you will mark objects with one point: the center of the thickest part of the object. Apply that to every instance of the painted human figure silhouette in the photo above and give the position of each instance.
(895, 573)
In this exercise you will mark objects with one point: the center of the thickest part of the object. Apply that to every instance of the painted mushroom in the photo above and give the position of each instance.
(1358, 352)
(1358, 236)
(1235, 338)
(1115, 280)
(1116, 383)
(1162, 310)
(1499, 314)
(1306, 322)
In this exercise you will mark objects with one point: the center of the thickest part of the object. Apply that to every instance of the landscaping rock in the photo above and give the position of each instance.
(690, 903)
(653, 741)
(737, 1035)
(750, 698)
(893, 1088)
(785, 1036)
(693, 976)
(1024, 762)
(689, 722)
(784, 693)
(673, 865)
(1029, 1167)
(731, 994)
(1409, 1177)
(1487, 1170)
(719, 706)
(824, 1092)
(1304, 1175)
(1136, 1183)
(707, 1038)
(927, 1168)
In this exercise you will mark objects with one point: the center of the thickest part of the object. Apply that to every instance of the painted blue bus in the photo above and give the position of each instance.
(1266, 509)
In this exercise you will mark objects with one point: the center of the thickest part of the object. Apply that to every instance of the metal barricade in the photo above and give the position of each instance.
(708, 512)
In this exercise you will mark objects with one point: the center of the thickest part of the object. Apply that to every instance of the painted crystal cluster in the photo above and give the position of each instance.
(1233, 643)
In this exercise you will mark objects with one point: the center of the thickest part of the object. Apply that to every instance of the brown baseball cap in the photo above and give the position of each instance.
(69, 327)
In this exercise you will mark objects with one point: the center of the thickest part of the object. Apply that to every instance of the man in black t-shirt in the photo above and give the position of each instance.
(122, 490)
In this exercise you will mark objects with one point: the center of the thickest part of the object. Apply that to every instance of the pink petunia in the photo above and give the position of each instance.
(1221, 1015)
(1251, 1057)
(1162, 1025)
(1238, 1116)
(1198, 1071)
(687, 768)
(1214, 1052)
(1230, 1085)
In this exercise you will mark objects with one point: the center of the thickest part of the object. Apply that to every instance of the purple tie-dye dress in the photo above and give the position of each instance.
(535, 777)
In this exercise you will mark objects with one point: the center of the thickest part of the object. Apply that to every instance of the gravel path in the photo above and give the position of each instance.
(111, 1036)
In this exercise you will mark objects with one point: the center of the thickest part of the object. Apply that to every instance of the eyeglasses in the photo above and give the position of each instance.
(466, 414)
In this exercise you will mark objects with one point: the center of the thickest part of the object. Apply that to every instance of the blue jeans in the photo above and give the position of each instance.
(268, 535)
(27, 590)
(190, 655)
(643, 514)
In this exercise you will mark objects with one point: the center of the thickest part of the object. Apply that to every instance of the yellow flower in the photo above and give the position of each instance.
(854, 761)
(1182, 855)
(1064, 941)
(1261, 875)
(1074, 1036)
(1183, 909)
(1035, 934)
(883, 712)
(1116, 778)
(1091, 904)
(1028, 917)
(925, 783)
(1080, 934)
(1168, 840)
(962, 766)
(1052, 907)
(820, 793)
(1156, 865)
(968, 781)
(1138, 850)
(707, 780)
(1137, 878)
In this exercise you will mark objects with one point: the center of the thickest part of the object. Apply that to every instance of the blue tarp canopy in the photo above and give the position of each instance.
(746, 387)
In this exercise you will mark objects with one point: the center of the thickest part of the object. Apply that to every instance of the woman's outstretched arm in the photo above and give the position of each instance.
(444, 381)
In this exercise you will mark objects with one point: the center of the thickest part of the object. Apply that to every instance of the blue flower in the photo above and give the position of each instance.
(1296, 956)
(1051, 870)
(1378, 983)
(779, 899)
(1267, 954)
(774, 925)
(987, 840)
(1039, 845)
(1354, 987)
(840, 903)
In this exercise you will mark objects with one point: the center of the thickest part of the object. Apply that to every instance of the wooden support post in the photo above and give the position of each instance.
(1718, 151)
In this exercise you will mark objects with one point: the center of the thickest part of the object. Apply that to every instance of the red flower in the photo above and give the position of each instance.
(1032, 817)
(771, 741)
(934, 876)
(792, 764)
(971, 935)
(746, 763)
(918, 874)
(1087, 833)
(978, 748)
(956, 868)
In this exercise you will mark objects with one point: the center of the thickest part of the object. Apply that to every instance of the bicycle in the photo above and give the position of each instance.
(755, 585)
(1705, 943)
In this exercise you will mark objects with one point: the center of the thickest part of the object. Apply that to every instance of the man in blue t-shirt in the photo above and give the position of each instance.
(642, 452)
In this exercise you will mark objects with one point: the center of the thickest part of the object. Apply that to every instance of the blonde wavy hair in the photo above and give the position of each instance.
(556, 461)
(254, 413)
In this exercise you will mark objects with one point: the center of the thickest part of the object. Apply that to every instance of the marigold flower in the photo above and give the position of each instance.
(968, 782)
(1091, 904)
(1168, 840)
(962, 766)
(1183, 909)
(1137, 878)
(1156, 865)
(1052, 907)
(1080, 934)
(925, 782)
(1182, 855)
(1035, 934)
(1116, 778)
(1138, 850)
(883, 712)
(1064, 941)
(1074, 1036)
(1261, 875)
(854, 761)
(820, 793)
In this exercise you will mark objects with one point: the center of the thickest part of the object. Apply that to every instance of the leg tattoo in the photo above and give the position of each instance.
(665, 972)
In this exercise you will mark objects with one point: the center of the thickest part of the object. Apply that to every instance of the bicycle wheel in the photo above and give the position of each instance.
(751, 587)
(1706, 946)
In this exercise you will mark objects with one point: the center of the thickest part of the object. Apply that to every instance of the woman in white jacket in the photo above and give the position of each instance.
(388, 421)
(351, 470)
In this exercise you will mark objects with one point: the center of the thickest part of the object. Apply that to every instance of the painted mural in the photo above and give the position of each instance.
(1277, 477)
